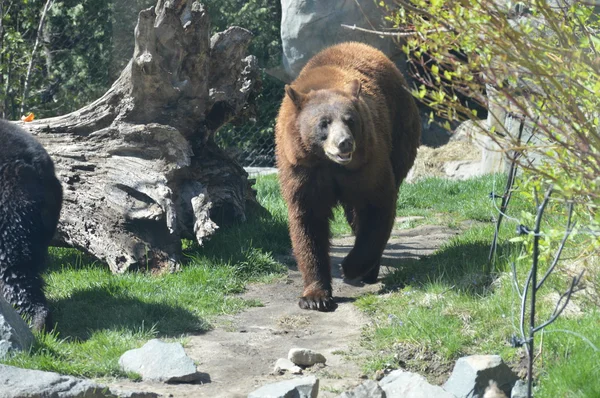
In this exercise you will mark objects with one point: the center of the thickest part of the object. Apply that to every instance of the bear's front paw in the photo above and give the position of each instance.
(356, 269)
(320, 301)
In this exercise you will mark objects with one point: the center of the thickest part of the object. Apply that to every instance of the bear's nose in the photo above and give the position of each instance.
(346, 145)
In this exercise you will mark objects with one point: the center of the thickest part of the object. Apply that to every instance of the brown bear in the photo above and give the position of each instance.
(347, 133)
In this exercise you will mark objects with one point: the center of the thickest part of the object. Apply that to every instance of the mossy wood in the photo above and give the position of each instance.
(138, 166)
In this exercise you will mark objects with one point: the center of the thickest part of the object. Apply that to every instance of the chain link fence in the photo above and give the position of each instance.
(251, 141)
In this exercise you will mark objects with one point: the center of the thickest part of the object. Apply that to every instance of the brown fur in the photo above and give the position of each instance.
(362, 92)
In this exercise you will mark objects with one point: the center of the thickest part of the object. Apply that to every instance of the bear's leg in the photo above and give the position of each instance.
(349, 213)
(373, 227)
(24, 289)
(309, 232)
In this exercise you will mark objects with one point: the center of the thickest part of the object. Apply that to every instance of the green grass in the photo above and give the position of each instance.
(454, 302)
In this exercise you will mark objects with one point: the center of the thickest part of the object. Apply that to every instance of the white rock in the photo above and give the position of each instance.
(285, 365)
(305, 357)
(160, 361)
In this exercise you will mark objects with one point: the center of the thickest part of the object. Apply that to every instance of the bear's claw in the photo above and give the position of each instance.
(324, 304)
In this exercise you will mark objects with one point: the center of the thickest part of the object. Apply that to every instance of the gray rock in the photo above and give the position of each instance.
(472, 374)
(519, 390)
(14, 332)
(305, 357)
(285, 365)
(400, 384)
(160, 361)
(368, 389)
(18, 383)
(306, 387)
(309, 26)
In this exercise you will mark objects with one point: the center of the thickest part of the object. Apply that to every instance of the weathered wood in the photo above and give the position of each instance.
(138, 166)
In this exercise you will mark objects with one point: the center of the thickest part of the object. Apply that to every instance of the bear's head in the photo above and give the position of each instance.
(328, 121)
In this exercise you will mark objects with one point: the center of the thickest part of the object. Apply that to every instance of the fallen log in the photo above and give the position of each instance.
(139, 168)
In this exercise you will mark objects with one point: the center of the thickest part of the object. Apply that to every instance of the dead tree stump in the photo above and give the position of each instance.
(138, 166)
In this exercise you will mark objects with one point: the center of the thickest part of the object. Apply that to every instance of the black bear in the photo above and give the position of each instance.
(347, 133)
(30, 203)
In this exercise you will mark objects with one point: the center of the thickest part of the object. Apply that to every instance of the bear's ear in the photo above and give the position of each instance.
(354, 88)
(296, 96)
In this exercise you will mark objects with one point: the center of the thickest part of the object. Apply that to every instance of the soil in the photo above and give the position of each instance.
(239, 354)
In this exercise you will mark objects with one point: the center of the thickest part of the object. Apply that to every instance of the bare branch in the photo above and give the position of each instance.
(561, 307)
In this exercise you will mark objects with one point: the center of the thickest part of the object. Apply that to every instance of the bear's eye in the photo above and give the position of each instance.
(349, 120)
(323, 124)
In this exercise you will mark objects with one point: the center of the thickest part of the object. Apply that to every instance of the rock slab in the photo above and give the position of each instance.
(400, 384)
(14, 332)
(160, 361)
(472, 375)
(305, 357)
(18, 383)
(306, 387)
(369, 389)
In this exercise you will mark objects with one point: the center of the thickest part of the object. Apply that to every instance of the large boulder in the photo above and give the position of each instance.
(309, 26)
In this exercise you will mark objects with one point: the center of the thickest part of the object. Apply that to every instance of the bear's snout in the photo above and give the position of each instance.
(346, 144)
(339, 146)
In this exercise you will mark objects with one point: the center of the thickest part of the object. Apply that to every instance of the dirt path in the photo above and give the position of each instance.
(238, 356)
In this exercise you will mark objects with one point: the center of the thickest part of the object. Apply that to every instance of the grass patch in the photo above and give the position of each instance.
(99, 315)
(446, 201)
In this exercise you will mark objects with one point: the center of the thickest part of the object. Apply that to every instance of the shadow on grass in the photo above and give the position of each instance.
(261, 231)
(458, 265)
(89, 310)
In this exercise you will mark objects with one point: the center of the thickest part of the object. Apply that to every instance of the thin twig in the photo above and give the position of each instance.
(569, 229)
(516, 280)
(561, 307)
(391, 34)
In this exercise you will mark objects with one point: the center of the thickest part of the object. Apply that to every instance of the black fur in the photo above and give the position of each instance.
(30, 202)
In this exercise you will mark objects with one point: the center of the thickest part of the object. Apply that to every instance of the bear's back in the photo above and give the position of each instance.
(352, 60)
(19, 145)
